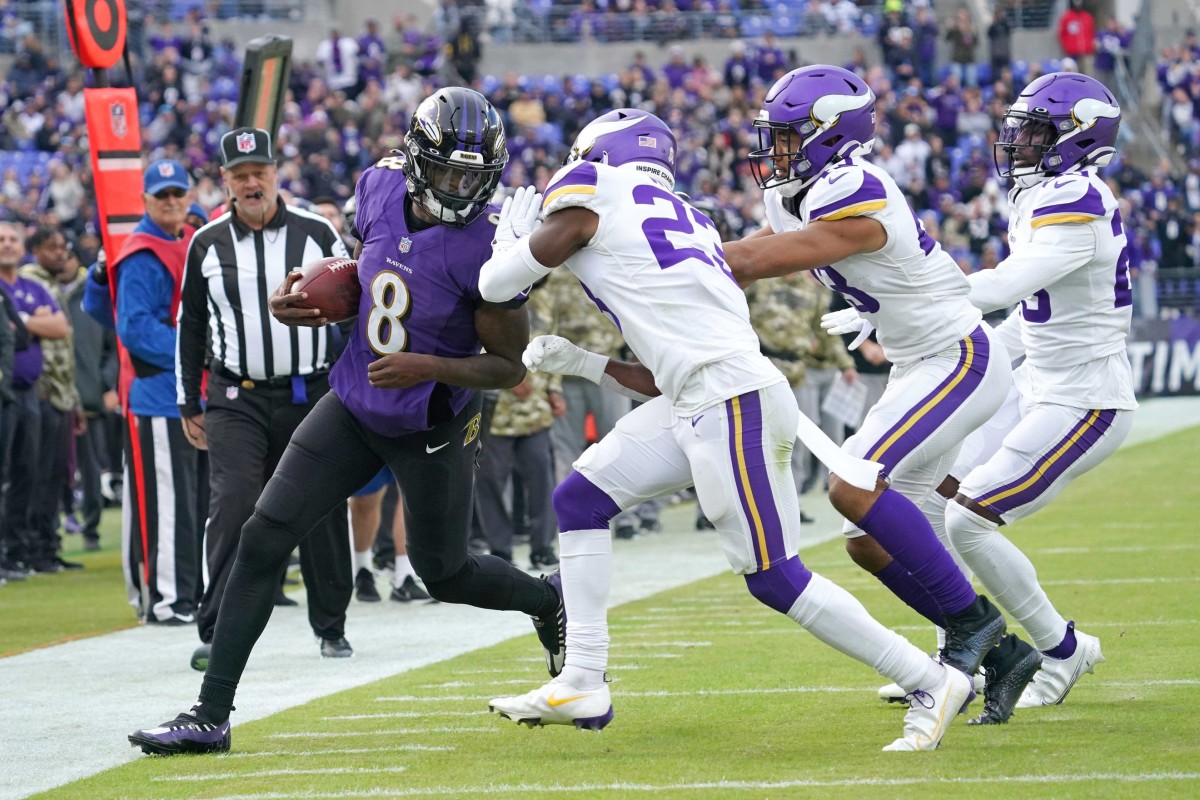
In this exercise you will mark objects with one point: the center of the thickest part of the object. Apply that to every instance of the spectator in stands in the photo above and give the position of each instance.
(925, 34)
(463, 52)
(1077, 35)
(964, 46)
(1111, 43)
(338, 58)
(739, 69)
(999, 34)
(770, 61)
(372, 53)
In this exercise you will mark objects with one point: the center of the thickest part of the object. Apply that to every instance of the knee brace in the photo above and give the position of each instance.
(780, 586)
(580, 505)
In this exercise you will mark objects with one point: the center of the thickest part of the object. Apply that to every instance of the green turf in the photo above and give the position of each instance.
(43, 609)
(766, 728)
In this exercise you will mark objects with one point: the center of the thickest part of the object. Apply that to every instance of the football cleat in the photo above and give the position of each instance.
(1010, 666)
(408, 591)
(336, 648)
(552, 631)
(970, 634)
(930, 713)
(558, 703)
(894, 692)
(1052, 684)
(201, 656)
(364, 587)
(184, 734)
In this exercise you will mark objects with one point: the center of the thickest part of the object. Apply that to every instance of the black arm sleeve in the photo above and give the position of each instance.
(193, 329)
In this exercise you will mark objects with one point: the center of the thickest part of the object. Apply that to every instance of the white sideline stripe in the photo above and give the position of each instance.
(345, 751)
(463, 684)
(1148, 777)
(391, 732)
(1151, 548)
(268, 773)
(863, 583)
(620, 645)
(1081, 625)
(410, 714)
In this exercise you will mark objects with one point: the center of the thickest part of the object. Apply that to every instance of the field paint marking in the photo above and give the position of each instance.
(863, 583)
(1149, 777)
(465, 684)
(392, 732)
(346, 751)
(704, 623)
(409, 714)
(660, 644)
(1070, 551)
(268, 773)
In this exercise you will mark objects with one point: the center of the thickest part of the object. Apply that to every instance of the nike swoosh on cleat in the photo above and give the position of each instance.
(555, 702)
(429, 449)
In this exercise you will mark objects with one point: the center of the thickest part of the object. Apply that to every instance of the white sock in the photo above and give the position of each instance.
(1006, 573)
(362, 560)
(834, 616)
(403, 569)
(586, 570)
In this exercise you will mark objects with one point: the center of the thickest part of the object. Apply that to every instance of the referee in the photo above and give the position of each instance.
(264, 376)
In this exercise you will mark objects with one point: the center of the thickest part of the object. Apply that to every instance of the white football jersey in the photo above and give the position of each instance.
(1074, 328)
(910, 290)
(655, 268)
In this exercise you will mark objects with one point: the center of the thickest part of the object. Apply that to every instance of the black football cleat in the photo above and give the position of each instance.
(336, 648)
(1009, 666)
(408, 591)
(970, 634)
(364, 587)
(184, 734)
(552, 630)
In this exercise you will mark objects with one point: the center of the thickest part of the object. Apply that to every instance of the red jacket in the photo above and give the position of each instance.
(1077, 33)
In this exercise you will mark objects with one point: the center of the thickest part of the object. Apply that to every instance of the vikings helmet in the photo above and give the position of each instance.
(628, 136)
(1062, 122)
(454, 155)
(812, 117)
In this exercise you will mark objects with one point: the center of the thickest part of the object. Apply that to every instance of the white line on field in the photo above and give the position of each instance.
(663, 644)
(461, 684)
(267, 773)
(410, 714)
(1154, 548)
(1150, 777)
(391, 732)
(345, 751)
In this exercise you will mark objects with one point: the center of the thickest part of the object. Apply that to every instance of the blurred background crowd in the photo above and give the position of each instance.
(943, 71)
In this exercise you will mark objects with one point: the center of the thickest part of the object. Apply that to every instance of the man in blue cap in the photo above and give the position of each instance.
(162, 524)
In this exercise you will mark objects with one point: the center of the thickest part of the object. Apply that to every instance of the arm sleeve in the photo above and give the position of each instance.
(97, 302)
(1050, 255)
(143, 306)
(192, 327)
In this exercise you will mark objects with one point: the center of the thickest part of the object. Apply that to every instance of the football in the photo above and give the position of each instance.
(332, 287)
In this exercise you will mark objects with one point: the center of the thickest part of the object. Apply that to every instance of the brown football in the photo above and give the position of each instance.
(332, 286)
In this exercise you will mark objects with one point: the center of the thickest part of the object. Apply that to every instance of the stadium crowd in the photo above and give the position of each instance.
(350, 102)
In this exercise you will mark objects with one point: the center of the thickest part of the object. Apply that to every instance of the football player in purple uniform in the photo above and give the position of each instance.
(403, 396)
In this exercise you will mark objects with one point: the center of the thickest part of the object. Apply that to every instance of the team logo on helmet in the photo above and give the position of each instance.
(427, 118)
(246, 143)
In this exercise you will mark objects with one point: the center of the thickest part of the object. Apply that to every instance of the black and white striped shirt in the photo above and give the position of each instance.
(231, 271)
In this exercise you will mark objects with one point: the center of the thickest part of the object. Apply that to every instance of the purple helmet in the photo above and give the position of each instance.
(625, 136)
(813, 117)
(1062, 122)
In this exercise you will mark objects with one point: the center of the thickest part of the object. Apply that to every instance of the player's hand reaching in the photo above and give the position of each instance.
(283, 305)
(557, 356)
(847, 320)
(518, 217)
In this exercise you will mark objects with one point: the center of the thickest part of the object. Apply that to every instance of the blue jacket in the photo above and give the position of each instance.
(145, 290)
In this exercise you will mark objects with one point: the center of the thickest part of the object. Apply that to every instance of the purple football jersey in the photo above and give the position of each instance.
(420, 291)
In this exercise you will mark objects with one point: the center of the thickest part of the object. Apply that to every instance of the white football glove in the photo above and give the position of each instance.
(557, 356)
(847, 320)
(518, 217)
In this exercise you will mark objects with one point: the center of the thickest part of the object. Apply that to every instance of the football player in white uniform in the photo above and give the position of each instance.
(846, 220)
(718, 415)
(1069, 268)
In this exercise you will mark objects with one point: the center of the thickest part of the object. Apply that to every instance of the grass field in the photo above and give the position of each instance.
(717, 697)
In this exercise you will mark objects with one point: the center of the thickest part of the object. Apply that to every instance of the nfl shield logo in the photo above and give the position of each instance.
(231, 392)
(166, 170)
(245, 143)
(405, 244)
(116, 119)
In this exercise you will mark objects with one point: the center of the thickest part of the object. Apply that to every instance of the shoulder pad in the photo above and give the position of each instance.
(1064, 199)
(573, 185)
(845, 191)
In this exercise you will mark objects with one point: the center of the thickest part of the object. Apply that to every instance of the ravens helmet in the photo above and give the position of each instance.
(455, 155)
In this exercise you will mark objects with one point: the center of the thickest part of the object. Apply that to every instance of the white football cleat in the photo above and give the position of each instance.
(894, 692)
(558, 703)
(930, 713)
(1054, 680)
